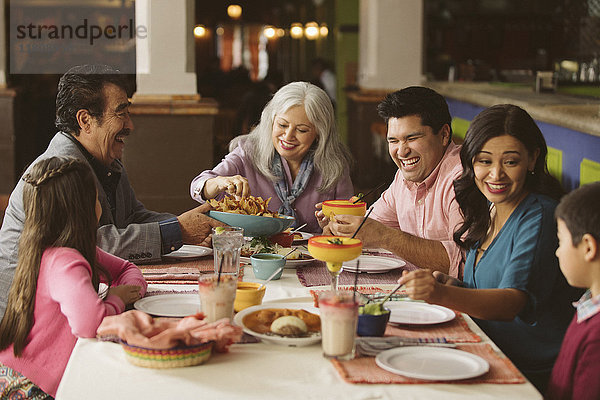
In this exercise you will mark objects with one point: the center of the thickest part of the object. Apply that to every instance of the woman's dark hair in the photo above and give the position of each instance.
(420, 101)
(499, 120)
(81, 87)
(59, 199)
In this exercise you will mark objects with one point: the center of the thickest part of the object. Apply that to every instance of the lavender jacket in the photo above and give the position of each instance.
(237, 163)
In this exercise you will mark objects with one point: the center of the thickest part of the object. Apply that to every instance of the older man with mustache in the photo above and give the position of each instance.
(92, 114)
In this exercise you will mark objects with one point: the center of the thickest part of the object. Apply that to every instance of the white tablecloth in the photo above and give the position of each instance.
(99, 370)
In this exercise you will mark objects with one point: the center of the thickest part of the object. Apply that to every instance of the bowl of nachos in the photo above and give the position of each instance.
(251, 213)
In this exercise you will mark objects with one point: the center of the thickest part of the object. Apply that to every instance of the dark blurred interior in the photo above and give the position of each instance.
(470, 40)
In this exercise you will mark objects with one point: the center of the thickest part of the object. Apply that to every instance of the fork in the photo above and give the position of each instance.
(369, 348)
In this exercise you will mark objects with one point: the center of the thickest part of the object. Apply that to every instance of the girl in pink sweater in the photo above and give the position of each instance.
(54, 295)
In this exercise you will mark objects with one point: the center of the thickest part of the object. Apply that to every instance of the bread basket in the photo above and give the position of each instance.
(181, 356)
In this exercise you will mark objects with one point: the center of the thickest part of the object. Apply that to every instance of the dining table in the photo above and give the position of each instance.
(259, 370)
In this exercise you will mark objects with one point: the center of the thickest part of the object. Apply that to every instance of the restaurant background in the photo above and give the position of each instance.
(234, 62)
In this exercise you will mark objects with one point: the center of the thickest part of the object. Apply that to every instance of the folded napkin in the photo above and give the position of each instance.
(139, 329)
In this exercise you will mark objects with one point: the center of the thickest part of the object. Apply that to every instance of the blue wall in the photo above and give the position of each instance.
(575, 146)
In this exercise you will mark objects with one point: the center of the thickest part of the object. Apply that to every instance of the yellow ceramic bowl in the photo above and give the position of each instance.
(339, 207)
(321, 248)
(247, 295)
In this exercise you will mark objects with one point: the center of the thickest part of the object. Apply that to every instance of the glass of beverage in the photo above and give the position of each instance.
(339, 318)
(227, 242)
(344, 207)
(334, 250)
(217, 295)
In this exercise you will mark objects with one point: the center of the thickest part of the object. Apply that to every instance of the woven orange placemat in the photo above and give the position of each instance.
(316, 274)
(180, 272)
(361, 289)
(455, 331)
(365, 370)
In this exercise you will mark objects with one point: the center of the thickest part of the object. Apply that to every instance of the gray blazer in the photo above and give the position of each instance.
(133, 235)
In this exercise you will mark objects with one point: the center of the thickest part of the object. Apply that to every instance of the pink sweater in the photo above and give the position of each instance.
(67, 307)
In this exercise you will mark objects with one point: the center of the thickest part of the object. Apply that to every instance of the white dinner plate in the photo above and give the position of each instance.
(188, 252)
(288, 263)
(285, 341)
(432, 363)
(373, 264)
(169, 305)
(305, 237)
(408, 312)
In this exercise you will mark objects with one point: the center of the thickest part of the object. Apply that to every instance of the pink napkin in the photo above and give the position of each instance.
(139, 329)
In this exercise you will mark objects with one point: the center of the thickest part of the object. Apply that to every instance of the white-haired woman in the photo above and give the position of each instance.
(294, 155)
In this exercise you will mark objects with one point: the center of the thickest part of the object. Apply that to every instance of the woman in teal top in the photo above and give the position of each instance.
(513, 286)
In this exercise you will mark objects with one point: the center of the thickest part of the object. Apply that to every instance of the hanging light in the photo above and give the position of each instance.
(280, 32)
(311, 30)
(296, 30)
(323, 30)
(199, 31)
(234, 11)
(269, 32)
(220, 31)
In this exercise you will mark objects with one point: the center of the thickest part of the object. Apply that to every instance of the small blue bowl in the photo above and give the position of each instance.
(264, 264)
(372, 325)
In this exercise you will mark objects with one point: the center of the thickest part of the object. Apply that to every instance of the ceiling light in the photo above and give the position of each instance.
(296, 30)
(269, 32)
(199, 31)
(323, 30)
(311, 30)
(234, 11)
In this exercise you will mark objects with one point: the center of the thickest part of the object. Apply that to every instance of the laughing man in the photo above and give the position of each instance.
(416, 216)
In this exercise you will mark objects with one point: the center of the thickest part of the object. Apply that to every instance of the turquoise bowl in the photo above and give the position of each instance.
(265, 264)
(254, 225)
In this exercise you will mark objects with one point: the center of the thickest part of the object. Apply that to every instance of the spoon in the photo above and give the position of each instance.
(386, 298)
(298, 228)
(269, 278)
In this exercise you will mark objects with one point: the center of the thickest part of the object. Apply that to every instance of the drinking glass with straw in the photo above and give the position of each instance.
(227, 245)
(217, 294)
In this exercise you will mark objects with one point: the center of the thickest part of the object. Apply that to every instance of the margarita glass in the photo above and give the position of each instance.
(346, 207)
(334, 250)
